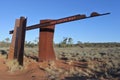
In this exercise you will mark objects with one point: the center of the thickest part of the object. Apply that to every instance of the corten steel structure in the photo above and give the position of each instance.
(46, 51)
(18, 39)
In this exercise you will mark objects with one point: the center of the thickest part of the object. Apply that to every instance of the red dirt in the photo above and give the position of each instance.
(35, 70)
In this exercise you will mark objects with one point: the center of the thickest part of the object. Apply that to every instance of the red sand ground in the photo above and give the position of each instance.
(36, 71)
(52, 70)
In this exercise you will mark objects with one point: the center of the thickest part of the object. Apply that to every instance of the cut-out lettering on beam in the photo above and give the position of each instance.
(63, 20)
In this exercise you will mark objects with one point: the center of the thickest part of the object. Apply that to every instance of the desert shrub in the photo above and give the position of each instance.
(4, 44)
(66, 42)
(13, 65)
(30, 44)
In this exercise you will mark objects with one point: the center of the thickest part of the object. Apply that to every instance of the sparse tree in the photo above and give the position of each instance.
(63, 43)
(65, 40)
(7, 40)
(70, 41)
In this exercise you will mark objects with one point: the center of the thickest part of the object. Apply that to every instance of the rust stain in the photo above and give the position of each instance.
(46, 50)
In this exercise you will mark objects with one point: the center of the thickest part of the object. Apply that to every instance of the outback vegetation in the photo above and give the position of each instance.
(80, 61)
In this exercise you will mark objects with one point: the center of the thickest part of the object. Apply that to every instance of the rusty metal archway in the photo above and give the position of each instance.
(46, 34)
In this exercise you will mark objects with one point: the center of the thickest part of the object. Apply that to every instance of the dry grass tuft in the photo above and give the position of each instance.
(13, 66)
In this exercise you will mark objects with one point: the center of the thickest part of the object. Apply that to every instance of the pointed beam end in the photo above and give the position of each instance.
(93, 14)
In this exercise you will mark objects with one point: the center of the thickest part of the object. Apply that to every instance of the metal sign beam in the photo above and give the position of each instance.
(63, 20)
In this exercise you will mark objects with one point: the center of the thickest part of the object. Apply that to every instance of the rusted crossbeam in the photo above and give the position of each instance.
(63, 20)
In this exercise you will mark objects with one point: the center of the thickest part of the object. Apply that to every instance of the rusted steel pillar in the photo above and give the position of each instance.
(18, 39)
(46, 50)
(14, 44)
(21, 40)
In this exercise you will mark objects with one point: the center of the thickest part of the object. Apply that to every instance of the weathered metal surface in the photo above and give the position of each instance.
(22, 31)
(46, 50)
(63, 20)
(14, 44)
(18, 38)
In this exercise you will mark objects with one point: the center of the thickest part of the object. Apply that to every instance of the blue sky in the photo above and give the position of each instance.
(99, 29)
